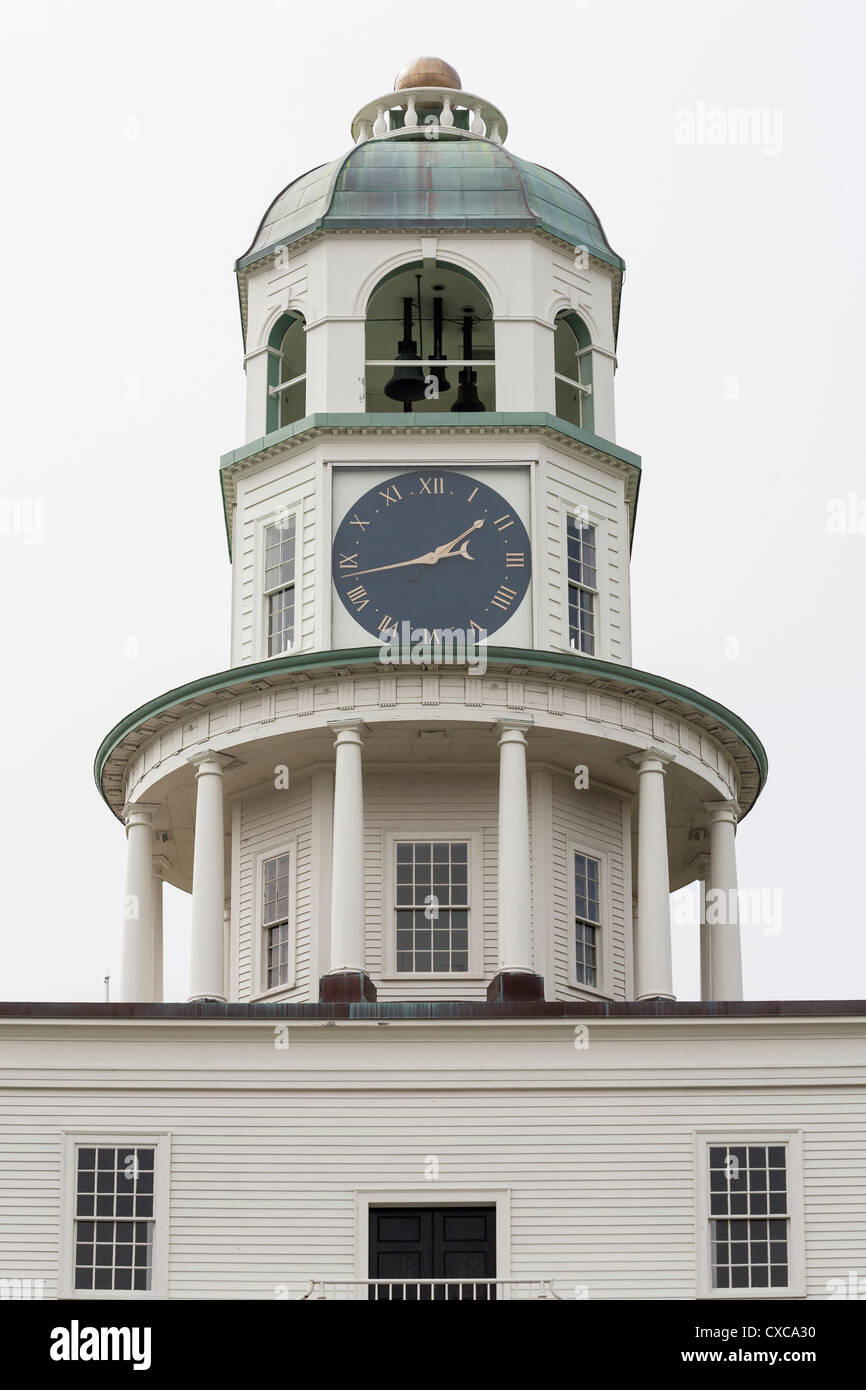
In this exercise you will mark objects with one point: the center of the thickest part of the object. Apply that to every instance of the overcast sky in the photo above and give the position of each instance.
(142, 144)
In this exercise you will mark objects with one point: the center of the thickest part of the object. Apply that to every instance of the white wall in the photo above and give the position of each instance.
(591, 1152)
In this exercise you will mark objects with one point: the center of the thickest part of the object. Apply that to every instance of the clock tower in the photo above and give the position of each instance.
(430, 771)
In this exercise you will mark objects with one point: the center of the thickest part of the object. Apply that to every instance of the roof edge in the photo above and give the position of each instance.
(443, 1010)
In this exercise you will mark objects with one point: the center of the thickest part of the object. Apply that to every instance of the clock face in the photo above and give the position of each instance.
(436, 550)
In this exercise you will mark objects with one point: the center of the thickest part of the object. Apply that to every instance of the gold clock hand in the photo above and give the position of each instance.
(429, 559)
(442, 550)
(432, 557)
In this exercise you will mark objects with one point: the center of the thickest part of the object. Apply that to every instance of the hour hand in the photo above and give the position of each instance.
(444, 552)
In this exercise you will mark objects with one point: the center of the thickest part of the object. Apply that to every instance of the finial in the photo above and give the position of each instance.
(427, 72)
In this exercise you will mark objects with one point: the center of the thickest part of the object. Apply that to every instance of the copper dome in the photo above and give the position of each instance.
(427, 72)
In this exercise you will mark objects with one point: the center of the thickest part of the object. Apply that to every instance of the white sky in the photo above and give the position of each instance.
(142, 143)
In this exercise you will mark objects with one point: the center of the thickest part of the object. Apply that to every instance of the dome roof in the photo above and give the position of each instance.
(426, 184)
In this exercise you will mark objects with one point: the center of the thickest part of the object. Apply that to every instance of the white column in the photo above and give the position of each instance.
(723, 920)
(207, 946)
(653, 971)
(702, 872)
(158, 864)
(136, 957)
(347, 874)
(515, 904)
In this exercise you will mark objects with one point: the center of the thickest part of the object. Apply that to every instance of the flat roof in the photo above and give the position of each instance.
(443, 1010)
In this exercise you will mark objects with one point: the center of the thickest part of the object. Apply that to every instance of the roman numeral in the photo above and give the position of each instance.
(438, 485)
(472, 494)
(387, 494)
(473, 624)
(356, 521)
(514, 559)
(502, 523)
(503, 596)
(358, 595)
(348, 562)
(388, 623)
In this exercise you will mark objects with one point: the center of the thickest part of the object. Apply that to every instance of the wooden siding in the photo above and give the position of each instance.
(441, 799)
(567, 484)
(269, 822)
(268, 1149)
(291, 486)
(592, 820)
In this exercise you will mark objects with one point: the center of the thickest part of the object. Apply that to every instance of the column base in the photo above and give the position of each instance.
(515, 987)
(347, 987)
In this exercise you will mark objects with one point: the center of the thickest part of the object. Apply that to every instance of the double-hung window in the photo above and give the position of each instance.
(276, 891)
(750, 1192)
(587, 919)
(582, 559)
(279, 585)
(431, 897)
(116, 1205)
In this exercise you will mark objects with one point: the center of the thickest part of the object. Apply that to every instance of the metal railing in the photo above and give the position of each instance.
(431, 1290)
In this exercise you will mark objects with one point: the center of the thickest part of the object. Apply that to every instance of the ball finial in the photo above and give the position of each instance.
(427, 72)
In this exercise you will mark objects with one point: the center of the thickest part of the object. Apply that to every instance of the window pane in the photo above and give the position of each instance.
(756, 1256)
(104, 1249)
(281, 621)
(431, 895)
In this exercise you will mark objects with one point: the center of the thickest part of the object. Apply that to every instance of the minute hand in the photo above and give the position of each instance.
(432, 557)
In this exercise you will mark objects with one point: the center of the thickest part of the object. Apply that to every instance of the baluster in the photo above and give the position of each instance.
(411, 117)
(477, 127)
(365, 131)
(379, 125)
(494, 134)
(447, 117)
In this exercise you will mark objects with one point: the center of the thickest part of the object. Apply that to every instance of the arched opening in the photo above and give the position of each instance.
(429, 343)
(572, 365)
(287, 371)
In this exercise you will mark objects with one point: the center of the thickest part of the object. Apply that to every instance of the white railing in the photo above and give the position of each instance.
(432, 1290)
(436, 115)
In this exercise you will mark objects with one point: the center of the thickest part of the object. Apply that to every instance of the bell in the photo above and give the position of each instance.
(407, 383)
(467, 392)
(438, 355)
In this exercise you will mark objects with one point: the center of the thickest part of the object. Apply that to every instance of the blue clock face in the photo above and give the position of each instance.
(436, 550)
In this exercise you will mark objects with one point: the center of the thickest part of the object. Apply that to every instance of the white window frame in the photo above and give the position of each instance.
(704, 1139)
(582, 387)
(475, 882)
(593, 518)
(430, 1194)
(96, 1137)
(604, 988)
(287, 846)
(283, 512)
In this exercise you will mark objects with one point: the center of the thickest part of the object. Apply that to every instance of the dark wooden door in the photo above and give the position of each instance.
(410, 1244)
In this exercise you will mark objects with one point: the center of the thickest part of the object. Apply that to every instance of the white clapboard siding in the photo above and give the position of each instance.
(566, 484)
(290, 485)
(592, 820)
(268, 823)
(442, 799)
(601, 1180)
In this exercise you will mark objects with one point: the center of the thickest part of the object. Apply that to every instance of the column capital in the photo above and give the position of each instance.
(208, 760)
(352, 726)
(724, 811)
(644, 759)
(517, 726)
(139, 813)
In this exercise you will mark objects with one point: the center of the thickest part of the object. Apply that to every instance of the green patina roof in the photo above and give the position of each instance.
(430, 184)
